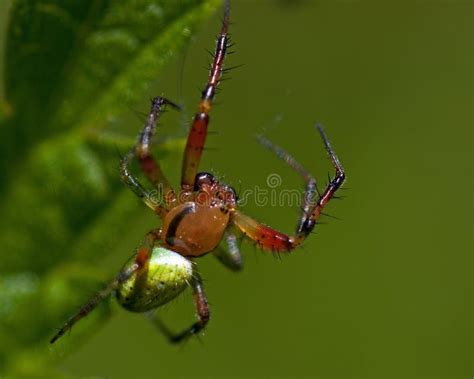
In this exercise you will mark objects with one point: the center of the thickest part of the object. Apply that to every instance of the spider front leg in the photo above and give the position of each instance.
(270, 239)
(202, 310)
(148, 164)
(198, 133)
(150, 167)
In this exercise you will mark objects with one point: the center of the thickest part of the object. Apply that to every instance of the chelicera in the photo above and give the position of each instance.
(198, 217)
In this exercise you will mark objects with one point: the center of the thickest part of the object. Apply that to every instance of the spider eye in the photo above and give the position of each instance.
(204, 178)
(228, 194)
(232, 192)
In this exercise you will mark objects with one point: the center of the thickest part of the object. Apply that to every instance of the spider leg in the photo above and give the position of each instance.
(311, 186)
(150, 167)
(198, 132)
(230, 255)
(141, 263)
(96, 299)
(270, 239)
(202, 308)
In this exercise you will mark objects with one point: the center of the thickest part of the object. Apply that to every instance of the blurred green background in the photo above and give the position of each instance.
(384, 293)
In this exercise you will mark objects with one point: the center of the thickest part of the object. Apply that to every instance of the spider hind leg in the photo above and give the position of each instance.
(202, 310)
(140, 264)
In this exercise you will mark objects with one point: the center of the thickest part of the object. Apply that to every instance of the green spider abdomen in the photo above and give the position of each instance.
(165, 277)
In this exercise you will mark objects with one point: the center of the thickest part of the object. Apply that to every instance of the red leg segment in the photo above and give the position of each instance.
(197, 134)
(266, 237)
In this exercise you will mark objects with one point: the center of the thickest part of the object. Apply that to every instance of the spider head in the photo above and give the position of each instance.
(212, 193)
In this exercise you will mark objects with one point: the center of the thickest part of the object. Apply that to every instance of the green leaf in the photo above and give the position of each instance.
(71, 71)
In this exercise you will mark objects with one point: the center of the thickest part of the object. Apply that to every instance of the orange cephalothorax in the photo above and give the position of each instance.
(192, 229)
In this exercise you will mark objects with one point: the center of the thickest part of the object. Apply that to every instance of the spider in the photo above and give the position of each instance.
(195, 220)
